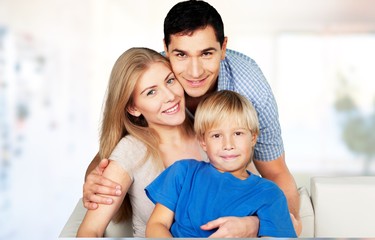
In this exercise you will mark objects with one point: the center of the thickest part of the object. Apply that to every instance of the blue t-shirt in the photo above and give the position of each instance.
(197, 193)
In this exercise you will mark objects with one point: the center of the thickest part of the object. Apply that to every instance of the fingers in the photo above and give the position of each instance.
(213, 224)
(102, 165)
(95, 180)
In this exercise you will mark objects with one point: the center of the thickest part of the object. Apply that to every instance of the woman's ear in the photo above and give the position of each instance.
(133, 111)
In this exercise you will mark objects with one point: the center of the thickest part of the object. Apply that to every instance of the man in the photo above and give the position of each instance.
(194, 42)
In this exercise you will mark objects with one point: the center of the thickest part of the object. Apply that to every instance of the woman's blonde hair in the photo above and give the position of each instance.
(116, 121)
(225, 106)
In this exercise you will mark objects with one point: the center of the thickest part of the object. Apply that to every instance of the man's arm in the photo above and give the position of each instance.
(96, 185)
(278, 172)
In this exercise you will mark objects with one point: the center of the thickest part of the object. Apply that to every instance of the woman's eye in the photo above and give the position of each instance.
(151, 92)
(170, 81)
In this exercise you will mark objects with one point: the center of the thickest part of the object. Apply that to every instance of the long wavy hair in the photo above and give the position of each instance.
(117, 122)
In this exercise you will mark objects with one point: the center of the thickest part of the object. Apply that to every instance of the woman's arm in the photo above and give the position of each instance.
(160, 222)
(96, 221)
(98, 189)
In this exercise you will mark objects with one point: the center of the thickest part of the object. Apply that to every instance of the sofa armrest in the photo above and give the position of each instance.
(122, 229)
(344, 206)
(306, 213)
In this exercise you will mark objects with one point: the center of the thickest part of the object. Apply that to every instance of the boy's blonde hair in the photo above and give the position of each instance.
(225, 106)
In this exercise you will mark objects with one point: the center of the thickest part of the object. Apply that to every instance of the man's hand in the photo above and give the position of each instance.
(96, 184)
(234, 227)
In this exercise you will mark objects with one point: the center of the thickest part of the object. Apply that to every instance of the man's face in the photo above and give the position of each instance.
(195, 60)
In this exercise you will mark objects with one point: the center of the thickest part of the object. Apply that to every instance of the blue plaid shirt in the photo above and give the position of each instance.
(241, 74)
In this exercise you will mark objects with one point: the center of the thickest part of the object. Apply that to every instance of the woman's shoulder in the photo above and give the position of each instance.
(129, 151)
(131, 144)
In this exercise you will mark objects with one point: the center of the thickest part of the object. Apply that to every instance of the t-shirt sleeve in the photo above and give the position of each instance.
(166, 188)
(274, 217)
(128, 153)
(269, 143)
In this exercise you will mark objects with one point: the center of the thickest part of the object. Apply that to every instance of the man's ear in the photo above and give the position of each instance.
(133, 111)
(165, 49)
(224, 48)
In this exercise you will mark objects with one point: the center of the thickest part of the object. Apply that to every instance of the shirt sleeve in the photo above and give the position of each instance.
(166, 188)
(269, 143)
(128, 153)
(274, 217)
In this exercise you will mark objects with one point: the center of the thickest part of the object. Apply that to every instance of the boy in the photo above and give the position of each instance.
(191, 193)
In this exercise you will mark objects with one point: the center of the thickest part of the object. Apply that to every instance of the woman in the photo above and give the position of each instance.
(144, 113)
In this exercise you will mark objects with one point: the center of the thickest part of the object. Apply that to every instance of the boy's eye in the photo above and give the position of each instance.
(238, 133)
(215, 135)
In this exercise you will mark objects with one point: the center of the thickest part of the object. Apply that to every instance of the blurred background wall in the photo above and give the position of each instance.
(55, 60)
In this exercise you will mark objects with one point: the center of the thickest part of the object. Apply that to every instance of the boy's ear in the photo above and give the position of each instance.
(202, 142)
(133, 111)
(254, 138)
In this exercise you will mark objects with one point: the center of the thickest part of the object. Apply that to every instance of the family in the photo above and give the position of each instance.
(180, 136)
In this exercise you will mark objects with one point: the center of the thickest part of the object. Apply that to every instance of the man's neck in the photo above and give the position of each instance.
(192, 103)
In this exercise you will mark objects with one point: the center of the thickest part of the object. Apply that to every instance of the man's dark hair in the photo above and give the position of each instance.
(186, 17)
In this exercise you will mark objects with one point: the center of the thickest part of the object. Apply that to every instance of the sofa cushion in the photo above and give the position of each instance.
(123, 229)
(344, 206)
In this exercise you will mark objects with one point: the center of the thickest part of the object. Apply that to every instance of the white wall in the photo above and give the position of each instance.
(55, 59)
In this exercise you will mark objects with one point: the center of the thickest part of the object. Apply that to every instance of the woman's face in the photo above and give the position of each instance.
(159, 97)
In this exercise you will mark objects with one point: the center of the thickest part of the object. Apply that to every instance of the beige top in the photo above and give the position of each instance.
(129, 152)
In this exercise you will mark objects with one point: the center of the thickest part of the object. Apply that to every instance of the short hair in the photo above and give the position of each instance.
(187, 16)
(225, 106)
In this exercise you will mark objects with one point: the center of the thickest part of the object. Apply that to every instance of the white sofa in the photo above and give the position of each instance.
(337, 207)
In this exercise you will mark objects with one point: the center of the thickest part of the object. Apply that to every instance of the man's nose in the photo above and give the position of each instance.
(195, 68)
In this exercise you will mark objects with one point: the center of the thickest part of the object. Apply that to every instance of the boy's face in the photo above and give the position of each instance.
(229, 148)
(195, 60)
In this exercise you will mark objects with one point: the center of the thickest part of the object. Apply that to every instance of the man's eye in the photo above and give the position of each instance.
(207, 54)
(180, 54)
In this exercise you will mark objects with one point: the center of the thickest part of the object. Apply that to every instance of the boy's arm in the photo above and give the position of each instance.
(278, 172)
(96, 183)
(160, 222)
(96, 221)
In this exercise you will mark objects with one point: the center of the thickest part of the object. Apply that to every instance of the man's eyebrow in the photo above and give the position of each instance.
(202, 51)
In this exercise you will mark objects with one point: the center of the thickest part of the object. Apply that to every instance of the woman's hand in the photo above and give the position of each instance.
(96, 184)
(234, 227)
